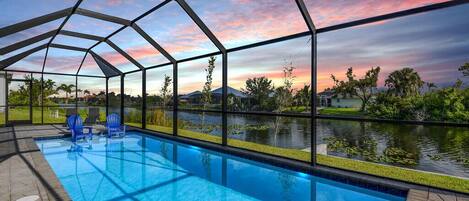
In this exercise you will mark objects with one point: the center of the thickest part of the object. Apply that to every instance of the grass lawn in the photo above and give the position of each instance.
(335, 111)
(22, 113)
(409, 175)
(2, 118)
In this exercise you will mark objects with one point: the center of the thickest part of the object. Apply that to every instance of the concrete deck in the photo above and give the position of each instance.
(25, 172)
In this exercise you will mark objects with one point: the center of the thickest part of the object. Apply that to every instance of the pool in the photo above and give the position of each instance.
(144, 167)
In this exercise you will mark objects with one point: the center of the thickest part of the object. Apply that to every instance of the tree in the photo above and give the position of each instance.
(86, 92)
(303, 96)
(345, 88)
(361, 88)
(259, 89)
(165, 99)
(284, 95)
(67, 89)
(207, 90)
(48, 90)
(405, 82)
(447, 104)
(21, 95)
(464, 69)
(165, 95)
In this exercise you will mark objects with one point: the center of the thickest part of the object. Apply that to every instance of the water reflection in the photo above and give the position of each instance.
(442, 149)
(140, 167)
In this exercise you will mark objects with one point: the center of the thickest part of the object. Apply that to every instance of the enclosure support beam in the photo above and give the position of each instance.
(42, 85)
(306, 17)
(81, 35)
(76, 94)
(175, 98)
(107, 96)
(66, 47)
(412, 11)
(75, 7)
(81, 64)
(312, 29)
(31, 98)
(42, 98)
(101, 16)
(144, 99)
(201, 24)
(47, 73)
(153, 43)
(225, 99)
(118, 20)
(124, 54)
(6, 97)
(34, 22)
(9, 61)
(222, 49)
(122, 99)
(313, 101)
(26, 42)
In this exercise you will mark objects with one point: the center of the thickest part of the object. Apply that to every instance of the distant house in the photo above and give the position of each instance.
(217, 94)
(325, 98)
(193, 97)
(330, 99)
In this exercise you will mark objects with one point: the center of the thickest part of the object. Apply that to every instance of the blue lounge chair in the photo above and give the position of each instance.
(113, 125)
(75, 124)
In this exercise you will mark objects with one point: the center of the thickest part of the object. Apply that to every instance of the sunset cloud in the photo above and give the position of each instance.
(327, 13)
(32, 62)
(63, 61)
(426, 42)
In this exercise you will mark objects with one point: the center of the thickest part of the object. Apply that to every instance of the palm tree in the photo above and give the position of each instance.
(67, 89)
(404, 82)
(86, 92)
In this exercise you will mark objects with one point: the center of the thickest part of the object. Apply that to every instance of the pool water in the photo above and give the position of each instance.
(143, 167)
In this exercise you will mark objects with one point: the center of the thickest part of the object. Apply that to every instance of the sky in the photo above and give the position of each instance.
(433, 43)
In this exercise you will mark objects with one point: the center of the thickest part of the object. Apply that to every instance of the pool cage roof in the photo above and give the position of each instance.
(96, 34)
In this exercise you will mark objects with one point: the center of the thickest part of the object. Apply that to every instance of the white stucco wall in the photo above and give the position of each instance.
(346, 102)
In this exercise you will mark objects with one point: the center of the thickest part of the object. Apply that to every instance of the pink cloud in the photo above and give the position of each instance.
(247, 21)
(254, 20)
(327, 13)
(113, 2)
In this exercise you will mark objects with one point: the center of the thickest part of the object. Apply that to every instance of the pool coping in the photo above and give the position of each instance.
(54, 188)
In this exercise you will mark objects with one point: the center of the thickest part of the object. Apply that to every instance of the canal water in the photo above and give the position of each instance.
(441, 149)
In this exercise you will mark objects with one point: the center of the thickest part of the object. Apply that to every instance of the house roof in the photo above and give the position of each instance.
(218, 91)
(230, 90)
